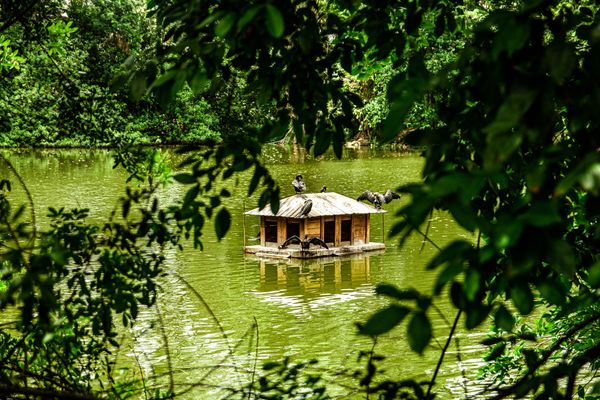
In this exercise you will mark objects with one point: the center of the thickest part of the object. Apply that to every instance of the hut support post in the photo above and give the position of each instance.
(244, 221)
(383, 228)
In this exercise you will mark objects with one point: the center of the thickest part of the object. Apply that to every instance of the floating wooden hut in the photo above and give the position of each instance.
(344, 224)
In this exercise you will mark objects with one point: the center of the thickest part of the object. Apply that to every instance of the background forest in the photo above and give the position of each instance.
(501, 95)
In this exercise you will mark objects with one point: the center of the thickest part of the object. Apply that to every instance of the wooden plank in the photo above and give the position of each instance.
(281, 225)
(360, 228)
(338, 230)
(368, 236)
(312, 227)
(262, 231)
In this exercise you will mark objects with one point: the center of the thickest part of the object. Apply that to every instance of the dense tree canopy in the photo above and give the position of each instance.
(502, 95)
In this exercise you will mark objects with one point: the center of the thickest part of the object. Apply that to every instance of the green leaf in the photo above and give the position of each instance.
(274, 201)
(186, 179)
(247, 17)
(504, 319)
(507, 232)
(225, 25)
(552, 292)
(496, 352)
(512, 35)
(446, 276)
(541, 214)
(509, 114)
(464, 215)
(594, 275)
(275, 24)
(562, 258)
(419, 332)
(577, 173)
(455, 251)
(476, 314)
(472, 284)
(521, 297)
(222, 223)
(322, 142)
(384, 320)
(395, 293)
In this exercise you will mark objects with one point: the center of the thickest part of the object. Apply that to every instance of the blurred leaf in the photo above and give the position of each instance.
(552, 292)
(594, 275)
(496, 352)
(222, 223)
(275, 24)
(456, 251)
(384, 320)
(562, 258)
(322, 142)
(398, 294)
(509, 114)
(186, 179)
(419, 332)
(476, 314)
(507, 232)
(248, 17)
(522, 298)
(576, 173)
(541, 214)
(511, 36)
(504, 319)
(472, 284)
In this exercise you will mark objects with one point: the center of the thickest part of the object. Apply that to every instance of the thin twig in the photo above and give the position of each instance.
(31, 204)
(255, 360)
(214, 318)
(441, 359)
(427, 230)
(428, 239)
(167, 351)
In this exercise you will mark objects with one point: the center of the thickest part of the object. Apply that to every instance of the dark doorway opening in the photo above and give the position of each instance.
(271, 231)
(329, 232)
(292, 228)
(346, 233)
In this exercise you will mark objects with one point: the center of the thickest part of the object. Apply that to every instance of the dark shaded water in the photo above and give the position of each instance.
(303, 310)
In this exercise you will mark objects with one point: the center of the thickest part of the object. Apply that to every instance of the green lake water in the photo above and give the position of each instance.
(303, 310)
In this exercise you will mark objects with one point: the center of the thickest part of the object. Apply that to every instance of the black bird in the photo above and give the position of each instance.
(306, 207)
(304, 244)
(378, 199)
(324, 189)
(298, 184)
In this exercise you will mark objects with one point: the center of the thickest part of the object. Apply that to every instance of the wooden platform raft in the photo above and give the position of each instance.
(344, 224)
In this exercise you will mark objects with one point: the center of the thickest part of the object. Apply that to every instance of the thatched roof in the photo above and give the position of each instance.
(324, 204)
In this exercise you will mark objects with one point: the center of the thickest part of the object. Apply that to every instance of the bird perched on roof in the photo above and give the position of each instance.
(378, 199)
(304, 243)
(298, 184)
(306, 207)
(324, 189)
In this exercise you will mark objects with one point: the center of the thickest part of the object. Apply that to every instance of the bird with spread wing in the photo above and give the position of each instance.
(378, 199)
(298, 184)
(304, 243)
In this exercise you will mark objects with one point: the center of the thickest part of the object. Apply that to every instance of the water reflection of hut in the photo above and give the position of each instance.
(344, 224)
(325, 275)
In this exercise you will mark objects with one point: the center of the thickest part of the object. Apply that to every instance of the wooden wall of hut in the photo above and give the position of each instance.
(339, 230)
